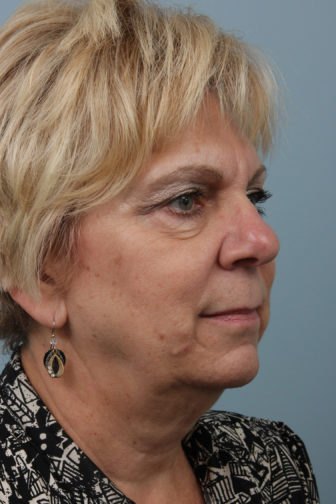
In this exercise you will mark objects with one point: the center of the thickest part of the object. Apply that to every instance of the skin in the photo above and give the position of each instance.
(165, 310)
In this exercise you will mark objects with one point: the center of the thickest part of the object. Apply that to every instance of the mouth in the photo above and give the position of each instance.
(240, 316)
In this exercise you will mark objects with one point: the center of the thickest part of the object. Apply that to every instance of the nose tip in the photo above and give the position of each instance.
(250, 242)
(262, 243)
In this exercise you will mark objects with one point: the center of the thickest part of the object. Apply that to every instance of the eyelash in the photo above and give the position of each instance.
(256, 198)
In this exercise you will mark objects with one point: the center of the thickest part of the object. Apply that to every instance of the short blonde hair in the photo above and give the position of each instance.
(87, 90)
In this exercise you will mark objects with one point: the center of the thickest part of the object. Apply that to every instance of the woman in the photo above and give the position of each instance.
(136, 267)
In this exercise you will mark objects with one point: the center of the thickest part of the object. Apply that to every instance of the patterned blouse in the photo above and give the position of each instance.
(236, 459)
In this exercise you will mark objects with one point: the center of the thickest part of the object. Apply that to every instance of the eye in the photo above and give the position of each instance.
(257, 197)
(186, 204)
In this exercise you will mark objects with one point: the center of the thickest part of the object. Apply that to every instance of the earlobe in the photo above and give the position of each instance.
(45, 308)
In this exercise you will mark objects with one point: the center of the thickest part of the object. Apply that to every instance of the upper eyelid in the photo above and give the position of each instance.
(175, 192)
(164, 197)
(196, 193)
(255, 189)
(259, 177)
(257, 183)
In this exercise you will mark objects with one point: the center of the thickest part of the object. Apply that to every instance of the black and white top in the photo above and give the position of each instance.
(236, 459)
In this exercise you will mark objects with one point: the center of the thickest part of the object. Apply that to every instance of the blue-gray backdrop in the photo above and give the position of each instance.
(297, 376)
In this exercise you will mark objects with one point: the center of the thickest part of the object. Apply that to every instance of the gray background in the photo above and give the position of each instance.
(296, 379)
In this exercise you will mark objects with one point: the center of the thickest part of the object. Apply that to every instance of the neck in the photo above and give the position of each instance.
(129, 427)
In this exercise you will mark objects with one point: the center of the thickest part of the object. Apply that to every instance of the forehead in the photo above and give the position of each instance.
(210, 142)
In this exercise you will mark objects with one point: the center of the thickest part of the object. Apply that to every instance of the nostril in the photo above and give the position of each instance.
(247, 262)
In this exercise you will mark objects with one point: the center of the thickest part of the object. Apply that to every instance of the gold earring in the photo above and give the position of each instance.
(54, 360)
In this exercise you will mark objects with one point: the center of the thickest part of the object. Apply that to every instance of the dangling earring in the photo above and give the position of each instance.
(54, 360)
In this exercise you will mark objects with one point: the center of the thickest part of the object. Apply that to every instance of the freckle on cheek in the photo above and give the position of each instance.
(181, 350)
(162, 337)
(118, 260)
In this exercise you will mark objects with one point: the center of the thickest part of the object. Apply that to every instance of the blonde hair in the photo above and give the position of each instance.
(87, 90)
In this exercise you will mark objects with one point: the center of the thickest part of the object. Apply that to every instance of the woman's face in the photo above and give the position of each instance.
(174, 274)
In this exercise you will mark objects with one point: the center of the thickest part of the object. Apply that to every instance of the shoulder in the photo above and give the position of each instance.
(237, 429)
(20, 472)
(268, 452)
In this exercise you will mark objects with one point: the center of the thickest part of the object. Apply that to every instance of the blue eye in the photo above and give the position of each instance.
(186, 204)
(258, 197)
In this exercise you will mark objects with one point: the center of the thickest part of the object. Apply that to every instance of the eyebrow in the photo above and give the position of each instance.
(194, 174)
(198, 174)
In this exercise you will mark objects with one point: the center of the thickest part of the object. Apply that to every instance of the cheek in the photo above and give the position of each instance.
(161, 274)
(267, 272)
(148, 283)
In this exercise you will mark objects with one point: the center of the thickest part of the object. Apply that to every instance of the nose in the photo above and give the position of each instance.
(248, 240)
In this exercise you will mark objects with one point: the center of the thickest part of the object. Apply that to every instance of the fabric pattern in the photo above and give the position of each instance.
(236, 459)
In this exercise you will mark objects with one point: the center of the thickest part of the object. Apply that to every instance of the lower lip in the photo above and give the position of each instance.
(239, 317)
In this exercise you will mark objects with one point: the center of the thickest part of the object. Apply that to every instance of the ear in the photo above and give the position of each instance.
(48, 307)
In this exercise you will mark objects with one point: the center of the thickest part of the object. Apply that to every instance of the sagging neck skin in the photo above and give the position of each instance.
(128, 426)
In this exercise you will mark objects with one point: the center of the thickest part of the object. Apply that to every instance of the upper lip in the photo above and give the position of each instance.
(231, 311)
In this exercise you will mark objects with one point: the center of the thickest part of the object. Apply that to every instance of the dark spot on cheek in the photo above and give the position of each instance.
(118, 260)
(162, 336)
(94, 336)
(97, 275)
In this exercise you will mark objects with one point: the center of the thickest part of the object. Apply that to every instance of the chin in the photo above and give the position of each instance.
(233, 370)
(241, 367)
(244, 378)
